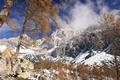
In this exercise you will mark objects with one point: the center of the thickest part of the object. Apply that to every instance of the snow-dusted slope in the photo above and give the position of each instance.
(98, 59)
(95, 59)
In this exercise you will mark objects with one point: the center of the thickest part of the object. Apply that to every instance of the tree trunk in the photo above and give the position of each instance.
(21, 37)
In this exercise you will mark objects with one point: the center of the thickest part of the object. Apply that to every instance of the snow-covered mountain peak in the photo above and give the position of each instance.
(88, 58)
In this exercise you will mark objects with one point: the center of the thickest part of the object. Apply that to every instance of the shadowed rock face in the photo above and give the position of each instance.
(87, 43)
(93, 39)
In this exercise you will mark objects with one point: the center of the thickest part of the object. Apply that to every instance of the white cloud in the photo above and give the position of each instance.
(84, 15)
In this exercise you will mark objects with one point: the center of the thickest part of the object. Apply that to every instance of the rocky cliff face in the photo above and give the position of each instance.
(94, 38)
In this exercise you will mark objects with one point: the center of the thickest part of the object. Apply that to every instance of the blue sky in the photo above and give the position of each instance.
(17, 15)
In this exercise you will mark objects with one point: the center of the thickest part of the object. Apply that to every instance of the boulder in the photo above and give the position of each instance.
(3, 66)
(26, 64)
(8, 53)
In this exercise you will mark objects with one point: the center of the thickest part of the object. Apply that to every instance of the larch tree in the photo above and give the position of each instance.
(111, 32)
(39, 12)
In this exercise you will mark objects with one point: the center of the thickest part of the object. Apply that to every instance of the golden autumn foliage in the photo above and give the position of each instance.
(46, 64)
(40, 11)
(85, 72)
(19, 78)
(4, 14)
(108, 19)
